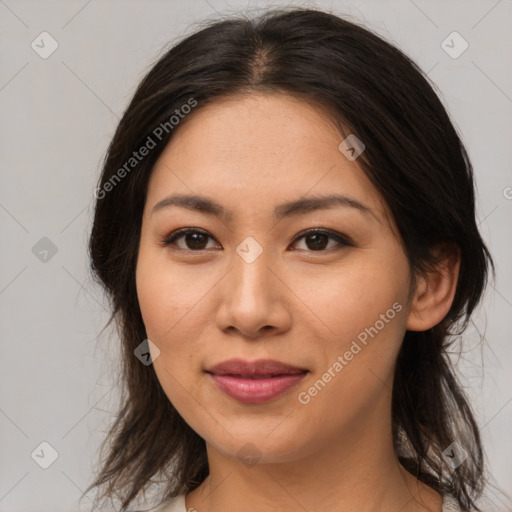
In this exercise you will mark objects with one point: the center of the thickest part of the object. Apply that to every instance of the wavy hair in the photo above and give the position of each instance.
(413, 156)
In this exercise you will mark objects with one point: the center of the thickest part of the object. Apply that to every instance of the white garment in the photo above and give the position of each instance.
(177, 504)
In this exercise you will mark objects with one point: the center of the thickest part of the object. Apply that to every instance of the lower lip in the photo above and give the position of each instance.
(256, 391)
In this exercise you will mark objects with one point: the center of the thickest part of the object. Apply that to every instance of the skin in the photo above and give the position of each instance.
(293, 303)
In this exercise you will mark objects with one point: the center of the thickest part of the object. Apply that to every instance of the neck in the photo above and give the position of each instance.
(361, 472)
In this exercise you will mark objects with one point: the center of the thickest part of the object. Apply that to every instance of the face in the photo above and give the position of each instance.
(321, 290)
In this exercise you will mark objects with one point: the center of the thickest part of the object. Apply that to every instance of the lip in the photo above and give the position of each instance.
(255, 382)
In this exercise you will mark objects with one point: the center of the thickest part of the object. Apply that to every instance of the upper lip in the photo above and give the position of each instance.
(263, 367)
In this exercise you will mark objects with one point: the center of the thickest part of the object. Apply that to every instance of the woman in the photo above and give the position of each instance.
(285, 224)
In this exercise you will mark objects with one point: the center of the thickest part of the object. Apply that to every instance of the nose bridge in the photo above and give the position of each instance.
(250, 298)
(251, 273)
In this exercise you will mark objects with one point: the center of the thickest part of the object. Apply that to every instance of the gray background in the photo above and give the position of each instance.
(57, 117)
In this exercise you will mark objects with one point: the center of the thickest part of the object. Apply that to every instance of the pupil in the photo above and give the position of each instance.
(315, 237)
(196, 243)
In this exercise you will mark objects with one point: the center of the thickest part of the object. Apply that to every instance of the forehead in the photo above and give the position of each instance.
(256, 149)
(263, 126)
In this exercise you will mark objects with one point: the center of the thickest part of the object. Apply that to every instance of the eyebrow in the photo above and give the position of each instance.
(300, 206)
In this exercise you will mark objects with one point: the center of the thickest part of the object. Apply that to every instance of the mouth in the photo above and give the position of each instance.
(255, 382)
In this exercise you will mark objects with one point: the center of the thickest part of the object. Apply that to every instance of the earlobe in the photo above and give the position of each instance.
(434, 292)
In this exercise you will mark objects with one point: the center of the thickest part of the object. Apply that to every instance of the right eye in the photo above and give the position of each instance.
(195, 239)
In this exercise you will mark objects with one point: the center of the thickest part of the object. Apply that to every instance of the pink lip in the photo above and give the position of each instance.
(255, 382)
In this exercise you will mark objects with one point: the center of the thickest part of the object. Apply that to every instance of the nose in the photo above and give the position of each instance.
(255, 301)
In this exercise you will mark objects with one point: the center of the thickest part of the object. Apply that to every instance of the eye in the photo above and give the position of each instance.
(316, 239)
(195, 239)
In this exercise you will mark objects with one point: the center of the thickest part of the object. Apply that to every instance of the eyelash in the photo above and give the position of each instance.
(338, 237)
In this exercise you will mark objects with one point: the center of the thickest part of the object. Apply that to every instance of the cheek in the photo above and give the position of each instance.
(169, 295)
(364, 308)
(167, 302)
(172, 299)
(356, 298)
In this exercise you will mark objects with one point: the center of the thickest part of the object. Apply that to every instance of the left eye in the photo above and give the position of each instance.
(315, 239)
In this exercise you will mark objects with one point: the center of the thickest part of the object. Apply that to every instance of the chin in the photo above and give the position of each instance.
(254, 444)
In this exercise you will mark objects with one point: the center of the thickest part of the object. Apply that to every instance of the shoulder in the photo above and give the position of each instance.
(176, 504)
(450, 504)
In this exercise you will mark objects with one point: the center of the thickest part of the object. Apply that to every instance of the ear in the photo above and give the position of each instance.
(434, 292)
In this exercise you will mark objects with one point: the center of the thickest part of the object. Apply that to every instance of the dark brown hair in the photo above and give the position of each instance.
(413, 156)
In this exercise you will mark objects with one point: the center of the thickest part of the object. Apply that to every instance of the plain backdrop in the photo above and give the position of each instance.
(57, 115)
